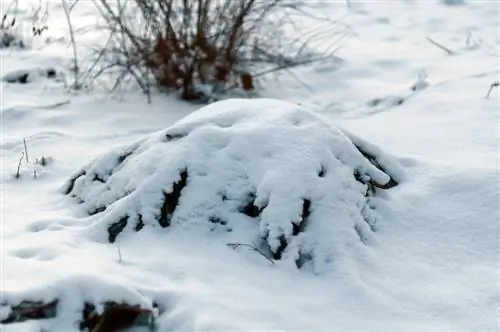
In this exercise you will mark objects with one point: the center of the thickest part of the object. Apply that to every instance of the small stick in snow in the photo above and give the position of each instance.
(254, 248)
(493, 85)
(433, 42)
(25, 149)
(119, 254)
(55, 105)
(19, 166)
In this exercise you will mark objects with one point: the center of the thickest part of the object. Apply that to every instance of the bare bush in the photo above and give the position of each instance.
(68, 6)
(201, 48)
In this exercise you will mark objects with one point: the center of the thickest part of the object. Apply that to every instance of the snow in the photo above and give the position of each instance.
(432, 262)
(272, 154)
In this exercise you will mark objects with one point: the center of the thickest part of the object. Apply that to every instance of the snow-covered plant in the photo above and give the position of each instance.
(255, 170)
(9, 34)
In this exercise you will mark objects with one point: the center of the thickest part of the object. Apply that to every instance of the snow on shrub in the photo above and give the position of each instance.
(10, 38)
(82, 299)
(262, 170)
(11, 34)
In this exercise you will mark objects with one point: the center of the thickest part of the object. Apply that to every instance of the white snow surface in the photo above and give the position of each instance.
(432, 264)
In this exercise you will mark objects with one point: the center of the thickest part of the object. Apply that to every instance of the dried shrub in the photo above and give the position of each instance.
(201, 48)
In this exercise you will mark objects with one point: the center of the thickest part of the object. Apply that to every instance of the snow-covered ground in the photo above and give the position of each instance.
(432, 264)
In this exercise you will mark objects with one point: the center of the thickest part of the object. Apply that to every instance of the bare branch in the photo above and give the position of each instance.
(251, 247)
(26, 149)
(493, 85)
(67, 13)
(433, 42)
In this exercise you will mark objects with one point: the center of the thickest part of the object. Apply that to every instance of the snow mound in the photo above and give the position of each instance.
(31, 75)
(11, 38)
(259, 170)
(68, 299)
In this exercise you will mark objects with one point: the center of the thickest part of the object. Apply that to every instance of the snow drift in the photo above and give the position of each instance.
(263, 171)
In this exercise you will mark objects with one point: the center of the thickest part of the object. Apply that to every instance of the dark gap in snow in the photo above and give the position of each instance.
(250, 209)
(71, 182)
(322, 172)
(171, 200)
(217, 220)
(25, 76)
(399, 101)
(115, 317)
(374, 102)
(387, 101)
(117, 228)
(30, 310)
(140, 224)
(303, 258)
(98, 178)
(301, 226)
(123, 157)
(21, 78)
(219, 223)
(174, 136)
(51, 73)
(97, 210)
(279, 252)
(89, 317)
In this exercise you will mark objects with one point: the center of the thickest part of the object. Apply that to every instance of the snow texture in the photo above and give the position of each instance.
(432, 265)
(304, 180)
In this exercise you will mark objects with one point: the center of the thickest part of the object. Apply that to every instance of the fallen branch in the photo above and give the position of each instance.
(254, 248)
(444, 48)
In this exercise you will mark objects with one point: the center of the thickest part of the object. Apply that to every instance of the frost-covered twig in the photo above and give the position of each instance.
(251, 247)
(433, 42)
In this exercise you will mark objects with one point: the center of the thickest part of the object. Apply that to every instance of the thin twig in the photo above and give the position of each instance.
(18, 175)
(119, 254)
(67, 13)
(26, 149)
(254, 248)
(433, 42)
(493, 85)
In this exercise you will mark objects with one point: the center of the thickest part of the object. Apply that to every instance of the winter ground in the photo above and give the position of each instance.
(434, 261)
